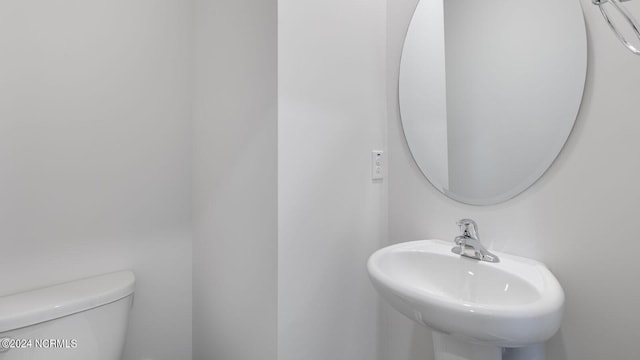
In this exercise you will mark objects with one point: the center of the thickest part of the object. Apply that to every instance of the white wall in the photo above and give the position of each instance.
(331, 105)
(235, 209)
(95, 155)
(579, 218)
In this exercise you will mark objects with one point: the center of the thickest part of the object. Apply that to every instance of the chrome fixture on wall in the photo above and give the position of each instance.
(615, 4)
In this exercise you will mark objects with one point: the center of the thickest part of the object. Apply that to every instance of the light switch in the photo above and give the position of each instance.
(377, 165)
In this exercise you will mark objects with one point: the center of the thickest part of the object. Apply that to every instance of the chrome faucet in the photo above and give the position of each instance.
(468, 244)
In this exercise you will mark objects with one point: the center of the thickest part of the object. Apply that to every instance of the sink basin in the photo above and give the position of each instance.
(516, 302)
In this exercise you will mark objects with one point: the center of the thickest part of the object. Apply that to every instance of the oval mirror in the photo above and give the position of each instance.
(489, 92)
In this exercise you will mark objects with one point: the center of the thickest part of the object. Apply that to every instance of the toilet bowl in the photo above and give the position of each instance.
(80, 320)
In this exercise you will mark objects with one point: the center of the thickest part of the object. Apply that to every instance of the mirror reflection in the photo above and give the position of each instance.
(489, 92)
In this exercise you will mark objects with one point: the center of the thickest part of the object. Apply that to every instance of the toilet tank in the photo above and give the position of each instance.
(80, 320)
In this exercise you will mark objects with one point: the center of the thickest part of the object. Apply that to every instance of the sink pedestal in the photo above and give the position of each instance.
(447, 347)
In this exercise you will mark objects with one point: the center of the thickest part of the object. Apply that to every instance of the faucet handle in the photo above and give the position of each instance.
(468, 228)
(470, 239)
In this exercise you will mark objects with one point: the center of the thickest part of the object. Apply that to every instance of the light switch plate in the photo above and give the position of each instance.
(377, 165)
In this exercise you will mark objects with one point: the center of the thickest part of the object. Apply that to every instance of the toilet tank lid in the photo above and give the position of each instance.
(52, 302)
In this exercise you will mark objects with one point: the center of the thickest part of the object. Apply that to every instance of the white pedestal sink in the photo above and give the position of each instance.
(478, 310)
